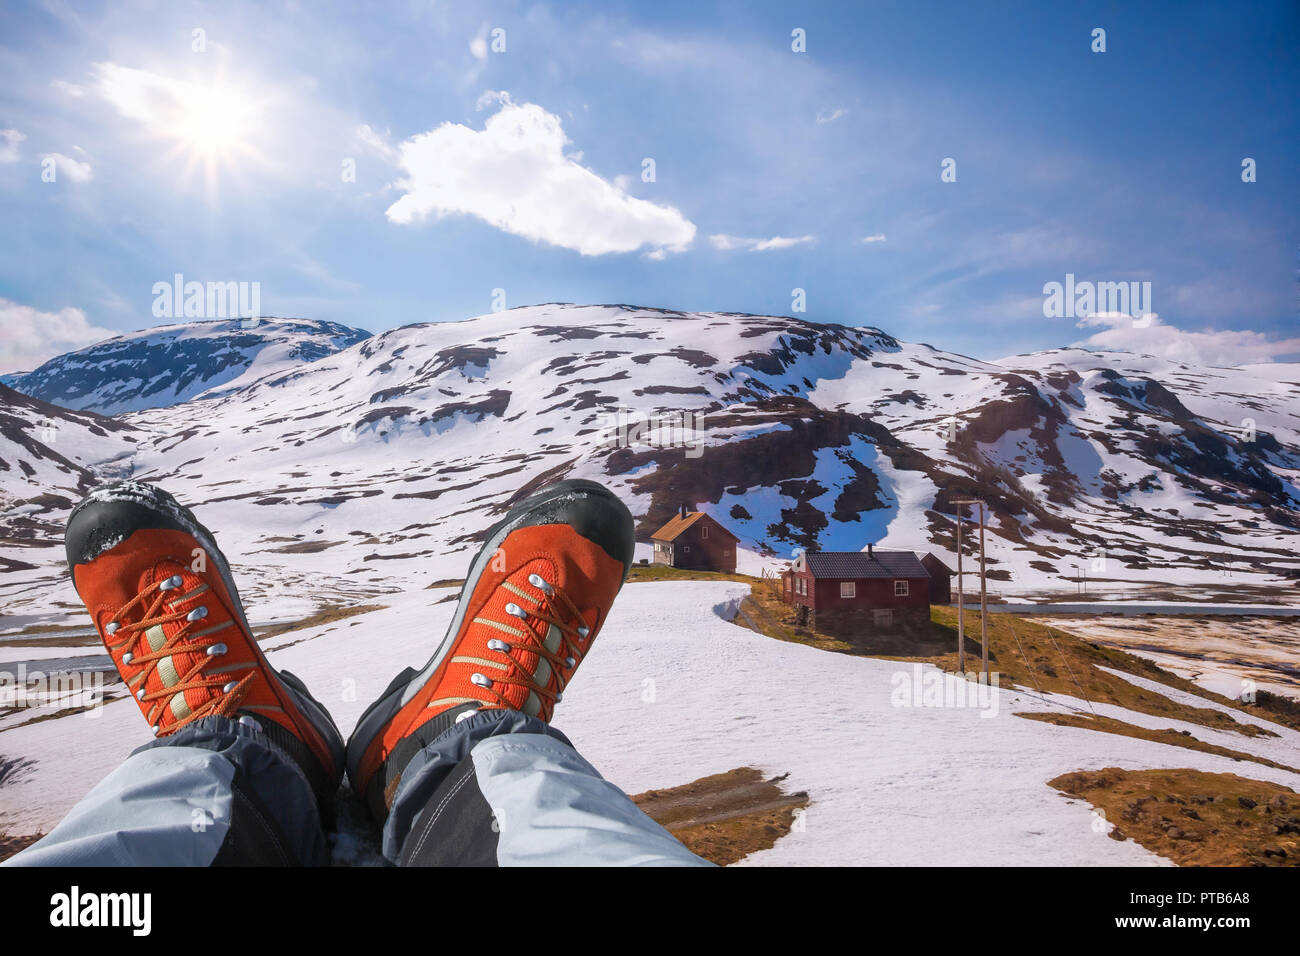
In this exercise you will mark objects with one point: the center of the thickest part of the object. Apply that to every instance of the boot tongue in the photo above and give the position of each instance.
(173, 669)
(541, 634)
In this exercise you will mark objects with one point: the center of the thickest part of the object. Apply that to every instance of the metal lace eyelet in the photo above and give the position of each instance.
(480, 679)
(198, 614)
(216, 650)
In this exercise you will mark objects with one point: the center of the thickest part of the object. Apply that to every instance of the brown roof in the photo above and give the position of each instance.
(678, 524)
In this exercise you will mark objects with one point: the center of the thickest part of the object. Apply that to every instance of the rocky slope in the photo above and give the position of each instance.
(170, 364)
(382, 463)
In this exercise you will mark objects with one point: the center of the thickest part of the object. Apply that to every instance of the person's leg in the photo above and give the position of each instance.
(218, 792)
(504, 789)
(458, 761)
(244, 755)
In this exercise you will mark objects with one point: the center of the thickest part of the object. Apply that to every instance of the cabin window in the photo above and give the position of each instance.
(900, 589)
(704, 531)
(848, 589)
(685, 548)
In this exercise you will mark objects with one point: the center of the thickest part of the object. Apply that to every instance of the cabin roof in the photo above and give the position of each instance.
(862, 564)
(680, 523)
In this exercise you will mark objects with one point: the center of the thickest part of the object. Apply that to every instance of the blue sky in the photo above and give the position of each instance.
(521, 170)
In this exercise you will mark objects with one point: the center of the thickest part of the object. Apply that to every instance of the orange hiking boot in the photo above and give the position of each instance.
(535, 598)
(163, 600)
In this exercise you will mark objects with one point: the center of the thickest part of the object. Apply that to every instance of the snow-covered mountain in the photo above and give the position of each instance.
(381, 464)
(175, 363)
(45, 452)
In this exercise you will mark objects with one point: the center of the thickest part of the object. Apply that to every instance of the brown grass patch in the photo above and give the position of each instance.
(326, 615)
(726, 816)
(9, 845)
(642, 573)
(1195, 818)
(1174, 738)
(1029, 654)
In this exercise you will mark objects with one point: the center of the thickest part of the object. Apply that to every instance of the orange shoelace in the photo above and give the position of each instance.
(229, 693)
(554, 608)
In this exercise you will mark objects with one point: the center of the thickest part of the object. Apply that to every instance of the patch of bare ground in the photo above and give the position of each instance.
(1195, 818)
(1275, 707)
(9, 845)
(1258, 651)
(445, 583)
(66, 711)
(1030, 654)
(641, 573)
(49, 628)
(726, 816)
(325, 615)
(1175, 738)
(77, 637)
(303, 547)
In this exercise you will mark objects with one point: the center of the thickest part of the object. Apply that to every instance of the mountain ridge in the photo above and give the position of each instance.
(398, 450)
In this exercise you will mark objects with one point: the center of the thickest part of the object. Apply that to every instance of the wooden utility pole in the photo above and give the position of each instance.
(961, 504)
(961, 629)
(984, 606)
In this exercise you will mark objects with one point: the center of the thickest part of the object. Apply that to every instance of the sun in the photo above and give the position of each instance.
(215, 120)
(215, 127)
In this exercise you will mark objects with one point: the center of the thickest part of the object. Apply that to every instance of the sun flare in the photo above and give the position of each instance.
(215, 121)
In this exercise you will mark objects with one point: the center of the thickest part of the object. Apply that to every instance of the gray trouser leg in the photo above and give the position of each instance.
(215, 792)
(504, 789)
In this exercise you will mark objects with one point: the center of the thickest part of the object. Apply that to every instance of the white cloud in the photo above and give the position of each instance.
(1148, 335)
(877, 237)
(378, 142)
(149, 98)
(725, 242)
(829, 116)
(514, 175)
(212, 121)
(478, 46)
(73, 169)
(9, 140)
(29, 336)
(489, 98)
